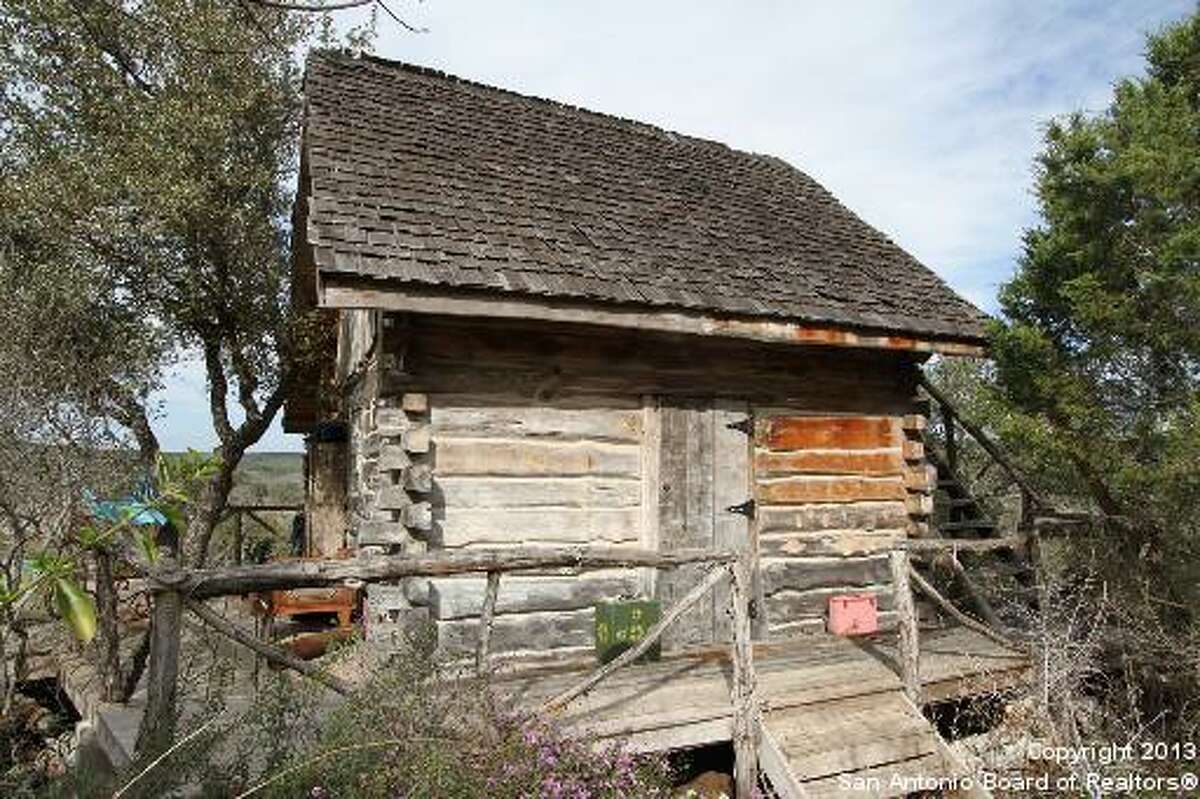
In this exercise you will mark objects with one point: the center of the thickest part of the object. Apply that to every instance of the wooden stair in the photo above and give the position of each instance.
(965, 514)
(878, 745)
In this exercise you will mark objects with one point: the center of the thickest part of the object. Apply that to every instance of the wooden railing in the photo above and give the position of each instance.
(905, 578)
(952, 420)
(176, 589)
(239, 512)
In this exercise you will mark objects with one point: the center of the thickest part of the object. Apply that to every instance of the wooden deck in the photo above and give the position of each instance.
(832, 706)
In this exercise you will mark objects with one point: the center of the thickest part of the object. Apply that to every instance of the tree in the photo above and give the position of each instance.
(147, 154)
(1101, 343)
(148, 151)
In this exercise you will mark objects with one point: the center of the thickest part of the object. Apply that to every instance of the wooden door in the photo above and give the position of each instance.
(703, 483)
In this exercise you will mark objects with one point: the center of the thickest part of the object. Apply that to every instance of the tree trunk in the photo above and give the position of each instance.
(210, 507)
(108, 627)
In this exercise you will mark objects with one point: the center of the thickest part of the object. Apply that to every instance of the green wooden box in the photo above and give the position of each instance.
(622, 623)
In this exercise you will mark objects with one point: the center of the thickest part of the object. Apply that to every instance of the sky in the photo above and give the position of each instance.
(924, 118)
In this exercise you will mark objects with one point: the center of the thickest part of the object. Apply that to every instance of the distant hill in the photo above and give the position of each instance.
(269, 478)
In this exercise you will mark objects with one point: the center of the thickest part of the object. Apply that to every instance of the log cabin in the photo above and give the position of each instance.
(549, 326)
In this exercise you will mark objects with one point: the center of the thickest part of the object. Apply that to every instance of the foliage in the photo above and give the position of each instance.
(1101, 345)
(148, 152)
(409, 731)
(1095, 389)
(55, 573)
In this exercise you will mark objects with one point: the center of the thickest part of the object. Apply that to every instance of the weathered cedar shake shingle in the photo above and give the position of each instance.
(424, 178)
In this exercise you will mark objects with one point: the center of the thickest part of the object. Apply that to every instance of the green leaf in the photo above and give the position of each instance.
(90, 536)
(147, 545)
(175, 516)
(76, 608)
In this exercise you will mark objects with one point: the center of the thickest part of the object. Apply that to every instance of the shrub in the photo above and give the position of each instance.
(406, 732)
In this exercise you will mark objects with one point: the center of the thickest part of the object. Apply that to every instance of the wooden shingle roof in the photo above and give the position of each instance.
(426, 180)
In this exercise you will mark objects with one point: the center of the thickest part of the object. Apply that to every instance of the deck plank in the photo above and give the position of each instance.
(831, 705)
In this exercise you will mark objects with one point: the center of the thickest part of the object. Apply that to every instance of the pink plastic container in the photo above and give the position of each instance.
(853, 614)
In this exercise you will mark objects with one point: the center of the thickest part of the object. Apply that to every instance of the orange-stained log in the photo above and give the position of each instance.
(829, 432)
(838, 489)
(876, 464)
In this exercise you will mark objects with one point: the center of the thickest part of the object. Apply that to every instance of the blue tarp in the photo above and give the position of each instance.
(136, 508)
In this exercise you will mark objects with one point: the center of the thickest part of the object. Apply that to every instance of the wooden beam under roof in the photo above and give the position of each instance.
(338, 291)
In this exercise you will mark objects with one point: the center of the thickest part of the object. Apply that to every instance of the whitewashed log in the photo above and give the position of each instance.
(466, 456)
(848, 516)
(418, 516)
(418, 478)
(416, 438)
(466, 526)
(519, 632)
(414, 403)
(787, 605)
(920, 504)
(528, 492)
(385, 533)
(456, 598)
(840, 543)
(801, 574)
(714, 576)
(392, 421)
(392, 497)
(810, 489)
(921, 477)
(392, 457)
(593, 424)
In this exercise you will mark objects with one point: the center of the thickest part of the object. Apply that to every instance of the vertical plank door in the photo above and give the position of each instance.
(703, 470)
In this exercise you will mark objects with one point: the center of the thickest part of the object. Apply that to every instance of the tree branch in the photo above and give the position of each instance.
(218, 392)
(247, 383)
(313, 7)
(124, 62)
(272, 653)
(131, 414)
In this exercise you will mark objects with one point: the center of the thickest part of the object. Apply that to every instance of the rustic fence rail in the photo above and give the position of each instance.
(176, 589)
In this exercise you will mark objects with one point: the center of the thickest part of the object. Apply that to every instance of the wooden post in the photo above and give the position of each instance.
(745, 708)
(909, 652)
(157, 729)
(962, 618)
(951, 438)
(238, 538)
(486, 617)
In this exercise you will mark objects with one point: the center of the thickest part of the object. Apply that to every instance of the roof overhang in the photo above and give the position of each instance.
(351, 291)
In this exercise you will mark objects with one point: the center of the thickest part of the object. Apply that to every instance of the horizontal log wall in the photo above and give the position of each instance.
(512, 470)
(483, 433)
(833, 499)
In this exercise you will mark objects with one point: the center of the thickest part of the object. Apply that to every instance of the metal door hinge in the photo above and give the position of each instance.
(752, 608)
(744, 426)
(746, 509)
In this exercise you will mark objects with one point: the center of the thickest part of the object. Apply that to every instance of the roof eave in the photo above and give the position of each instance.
(340, 290)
